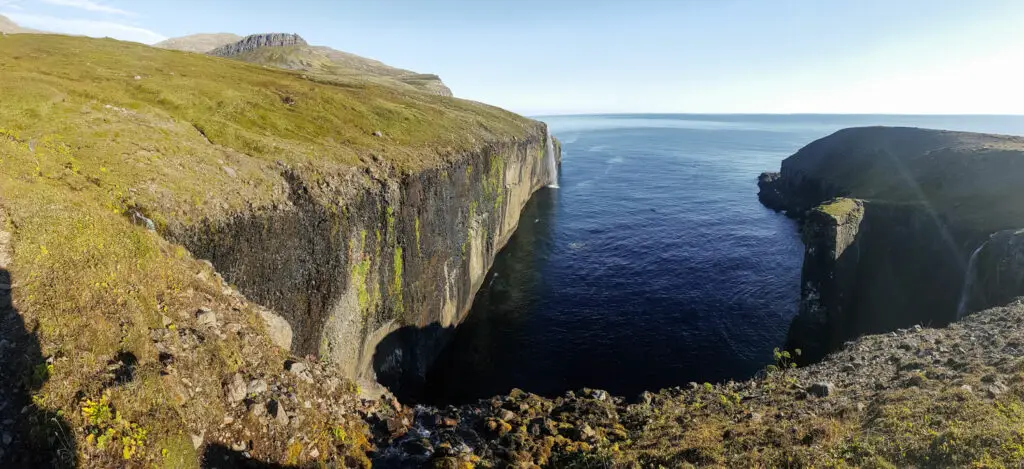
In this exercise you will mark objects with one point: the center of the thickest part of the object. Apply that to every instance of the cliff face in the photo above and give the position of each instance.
(352, 259)
(342, 213)
(257, 41)
(872, 267)
(995, 273)
(898, 254)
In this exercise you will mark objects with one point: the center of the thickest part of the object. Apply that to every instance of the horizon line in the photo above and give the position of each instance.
(639, 113)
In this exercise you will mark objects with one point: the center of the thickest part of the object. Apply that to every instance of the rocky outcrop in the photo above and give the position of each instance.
(258, 41)
(831, 260)
(928, 198)
(374, 269)
(995, 273)
(870, 267)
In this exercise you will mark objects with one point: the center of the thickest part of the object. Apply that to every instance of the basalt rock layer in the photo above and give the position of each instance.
(199, 256)
(257, 41)
(890, 218)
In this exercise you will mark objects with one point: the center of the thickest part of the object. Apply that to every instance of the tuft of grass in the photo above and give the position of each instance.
(838, 208)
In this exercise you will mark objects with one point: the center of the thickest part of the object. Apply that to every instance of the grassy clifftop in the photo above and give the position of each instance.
(110, 344)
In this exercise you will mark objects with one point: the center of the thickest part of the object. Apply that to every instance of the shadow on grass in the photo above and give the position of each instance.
(218, 456)
(31, 436)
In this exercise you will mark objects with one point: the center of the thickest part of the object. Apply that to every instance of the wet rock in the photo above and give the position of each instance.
(822, 389)
(446, 422)
(420, 447)
(398, 425)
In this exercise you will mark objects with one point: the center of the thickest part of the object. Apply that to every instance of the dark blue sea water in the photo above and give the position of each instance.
(653, 265)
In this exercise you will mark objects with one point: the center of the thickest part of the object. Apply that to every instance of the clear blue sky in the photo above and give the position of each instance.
(574, 56)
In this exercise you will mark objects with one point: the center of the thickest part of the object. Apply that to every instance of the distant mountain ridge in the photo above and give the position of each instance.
(200, 43)
(292, 52)
(10, 27)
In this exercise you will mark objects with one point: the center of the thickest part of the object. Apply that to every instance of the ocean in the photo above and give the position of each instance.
(652, 264)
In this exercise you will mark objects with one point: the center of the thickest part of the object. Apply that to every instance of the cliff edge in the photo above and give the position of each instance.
(203, 259)
(926, 200)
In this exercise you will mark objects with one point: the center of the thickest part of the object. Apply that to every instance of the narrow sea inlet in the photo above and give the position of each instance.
(652, 265)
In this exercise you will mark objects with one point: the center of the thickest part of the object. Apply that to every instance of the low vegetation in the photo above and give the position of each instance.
(130, 345)
(949, 397)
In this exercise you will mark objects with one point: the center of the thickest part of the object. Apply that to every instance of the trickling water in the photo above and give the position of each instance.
(969, 278)
(551, 165)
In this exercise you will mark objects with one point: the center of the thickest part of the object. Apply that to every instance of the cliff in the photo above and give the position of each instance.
(169, 222)
(257, 41)
(925, 200)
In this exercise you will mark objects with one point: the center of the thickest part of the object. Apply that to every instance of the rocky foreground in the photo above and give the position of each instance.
(915, 397)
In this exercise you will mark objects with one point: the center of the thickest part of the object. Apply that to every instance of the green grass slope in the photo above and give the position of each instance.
(91, 131)
(199, 43)
(333, 63)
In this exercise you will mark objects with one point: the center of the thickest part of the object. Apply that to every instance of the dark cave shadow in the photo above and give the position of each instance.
(401, 360)
(33, 436)
(218, 456)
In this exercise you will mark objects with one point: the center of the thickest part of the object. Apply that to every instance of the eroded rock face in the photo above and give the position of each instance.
(374, 269)
(927, 198)
(256, 41)
(998, 272)
(872, 267)
(831, 259)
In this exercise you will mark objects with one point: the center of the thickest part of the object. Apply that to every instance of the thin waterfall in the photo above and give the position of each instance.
(550, 164)
(970, 277)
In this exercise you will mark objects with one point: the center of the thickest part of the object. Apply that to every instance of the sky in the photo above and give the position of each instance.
(599, 56)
